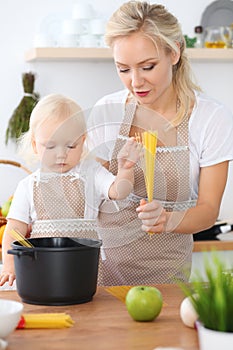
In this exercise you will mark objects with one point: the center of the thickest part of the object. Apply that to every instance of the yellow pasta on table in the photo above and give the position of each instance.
(45, 320)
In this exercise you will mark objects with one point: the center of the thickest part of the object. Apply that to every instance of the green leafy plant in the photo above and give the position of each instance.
(19, 122)
(212, 295)
(190, 42)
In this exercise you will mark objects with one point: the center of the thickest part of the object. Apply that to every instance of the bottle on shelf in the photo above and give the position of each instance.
(199, 37)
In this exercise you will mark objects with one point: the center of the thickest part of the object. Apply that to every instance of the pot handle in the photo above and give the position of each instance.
(21, 252)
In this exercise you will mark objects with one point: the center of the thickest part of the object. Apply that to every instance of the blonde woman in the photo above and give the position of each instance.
(61, 198)
(195, 145)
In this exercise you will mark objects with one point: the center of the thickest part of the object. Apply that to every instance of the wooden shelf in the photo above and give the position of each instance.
(67, 53)
(210, 54)
(78, 53)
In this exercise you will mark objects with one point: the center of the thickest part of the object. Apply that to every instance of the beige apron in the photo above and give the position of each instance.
(133, 256)
(59, 201)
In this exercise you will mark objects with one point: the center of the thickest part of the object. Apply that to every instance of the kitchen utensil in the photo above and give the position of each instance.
(57, 271)
(50, 27)
(89, 40)
(215, 38)
(199, 37)
(83, 10)
(97, 26)
(218, 13)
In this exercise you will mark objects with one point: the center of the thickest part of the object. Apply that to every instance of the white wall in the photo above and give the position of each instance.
(198, 262)
(84, 81)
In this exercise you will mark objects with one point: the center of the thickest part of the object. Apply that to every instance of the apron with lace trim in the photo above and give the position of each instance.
(59, 201)
(132, 255)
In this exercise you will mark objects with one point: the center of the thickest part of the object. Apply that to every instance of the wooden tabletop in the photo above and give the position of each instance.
(200, 246)
(104, 324)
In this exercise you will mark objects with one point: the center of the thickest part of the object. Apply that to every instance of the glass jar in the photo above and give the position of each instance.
(215, 38)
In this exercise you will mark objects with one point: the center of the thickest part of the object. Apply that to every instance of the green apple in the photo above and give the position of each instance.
(144, 303)
(6, 207)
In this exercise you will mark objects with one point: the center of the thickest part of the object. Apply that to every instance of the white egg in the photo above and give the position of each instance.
(187, 313)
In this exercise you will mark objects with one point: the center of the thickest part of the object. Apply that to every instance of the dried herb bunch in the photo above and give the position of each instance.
(19, 122)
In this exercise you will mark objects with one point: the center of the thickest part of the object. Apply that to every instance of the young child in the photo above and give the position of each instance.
(62, 197)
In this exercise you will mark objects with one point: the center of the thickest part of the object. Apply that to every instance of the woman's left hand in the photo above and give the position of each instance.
(153, 216)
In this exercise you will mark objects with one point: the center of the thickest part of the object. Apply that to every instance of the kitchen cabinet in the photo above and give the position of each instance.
(78, 53)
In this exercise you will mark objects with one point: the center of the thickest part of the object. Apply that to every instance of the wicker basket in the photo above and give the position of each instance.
(3, 220)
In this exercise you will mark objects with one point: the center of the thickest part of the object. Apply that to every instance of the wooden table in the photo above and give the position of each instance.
(104, 324)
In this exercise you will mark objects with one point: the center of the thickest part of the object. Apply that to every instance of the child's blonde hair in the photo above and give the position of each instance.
(53, 107)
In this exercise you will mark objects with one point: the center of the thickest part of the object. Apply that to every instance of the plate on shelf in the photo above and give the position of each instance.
(218, 13)
(51, 26)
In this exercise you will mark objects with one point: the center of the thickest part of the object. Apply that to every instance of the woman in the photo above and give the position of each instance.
(195, 145)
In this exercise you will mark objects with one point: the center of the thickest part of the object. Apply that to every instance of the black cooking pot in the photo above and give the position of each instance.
(56, 271)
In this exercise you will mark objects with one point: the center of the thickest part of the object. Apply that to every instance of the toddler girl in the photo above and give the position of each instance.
(62, 197)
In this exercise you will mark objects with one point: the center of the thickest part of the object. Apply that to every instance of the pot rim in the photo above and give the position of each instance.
(98, 243)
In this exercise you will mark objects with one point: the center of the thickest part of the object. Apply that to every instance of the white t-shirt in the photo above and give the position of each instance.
(210, 132)
(97, 181)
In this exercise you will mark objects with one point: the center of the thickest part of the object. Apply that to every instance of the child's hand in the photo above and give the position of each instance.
(129, 154)
(7, 276)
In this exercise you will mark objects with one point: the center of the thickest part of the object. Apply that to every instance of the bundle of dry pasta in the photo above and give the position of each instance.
(20, 238)
(149, 140)
(45, 320)
(118, 291)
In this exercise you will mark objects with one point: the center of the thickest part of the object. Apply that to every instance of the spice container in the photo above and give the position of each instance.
(199, 36)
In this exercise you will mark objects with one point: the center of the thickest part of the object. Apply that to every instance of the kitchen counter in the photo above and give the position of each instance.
(200, 246)
(104, 324)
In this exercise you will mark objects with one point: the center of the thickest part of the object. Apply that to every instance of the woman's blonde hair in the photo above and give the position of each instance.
(156, 23)
(53, 107)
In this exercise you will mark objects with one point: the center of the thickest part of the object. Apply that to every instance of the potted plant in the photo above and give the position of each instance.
(211, 296)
